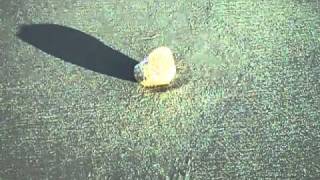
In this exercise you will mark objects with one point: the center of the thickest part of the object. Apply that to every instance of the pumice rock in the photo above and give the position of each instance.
(157, 69)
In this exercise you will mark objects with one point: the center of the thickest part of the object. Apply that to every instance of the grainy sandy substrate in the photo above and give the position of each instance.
(245, 104)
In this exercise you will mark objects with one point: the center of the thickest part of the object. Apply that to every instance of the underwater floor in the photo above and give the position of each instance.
(244, 104)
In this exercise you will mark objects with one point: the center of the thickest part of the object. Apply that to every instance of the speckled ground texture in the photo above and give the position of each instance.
(245, 103)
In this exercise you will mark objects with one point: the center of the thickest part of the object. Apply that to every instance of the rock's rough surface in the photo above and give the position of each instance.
(157, 69)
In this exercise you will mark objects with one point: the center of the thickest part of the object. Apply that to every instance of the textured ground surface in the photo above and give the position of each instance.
(245, 104)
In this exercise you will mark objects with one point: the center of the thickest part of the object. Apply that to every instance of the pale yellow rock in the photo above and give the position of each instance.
(157, 69)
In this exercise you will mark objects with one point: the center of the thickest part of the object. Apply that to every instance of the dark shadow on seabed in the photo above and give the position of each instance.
(79, 48)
